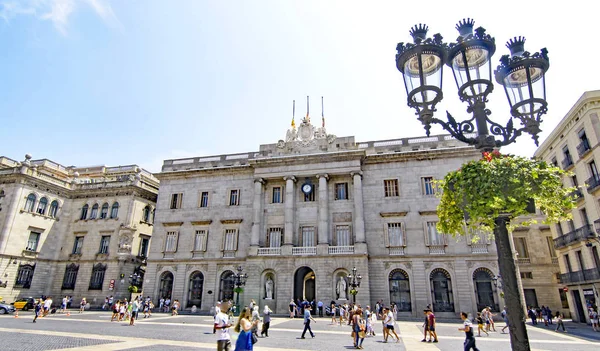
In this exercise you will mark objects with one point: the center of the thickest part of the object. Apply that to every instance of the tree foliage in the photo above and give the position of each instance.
(497, 185)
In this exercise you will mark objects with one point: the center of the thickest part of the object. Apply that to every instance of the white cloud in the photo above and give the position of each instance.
(59, 14)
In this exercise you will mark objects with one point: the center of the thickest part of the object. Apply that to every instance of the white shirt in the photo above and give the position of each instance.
(222, 320)
(389, 318)
(48, 303)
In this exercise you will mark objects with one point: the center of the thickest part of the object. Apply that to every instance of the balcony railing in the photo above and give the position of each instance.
(593, 183)
(524, 260)
(341, 250)
(269, 251)
(437, 249)
(585, 275)
(567, 163)
(304, 250)
(479, 248)
(577, 194)
(583, 233)
(583, 148)
(397, 251)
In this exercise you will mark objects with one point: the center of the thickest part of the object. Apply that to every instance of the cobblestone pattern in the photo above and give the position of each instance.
(30, 342)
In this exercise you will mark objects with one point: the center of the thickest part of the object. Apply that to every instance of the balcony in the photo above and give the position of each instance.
(304, 251)
(437, 249)
(593, 183)
(479, 248)
(577, 194)
(525, 260)
(340, 250)
(397, 251)
(567, 163)
(584, 233)
(582, 276)
(269, 251)
(583, 148)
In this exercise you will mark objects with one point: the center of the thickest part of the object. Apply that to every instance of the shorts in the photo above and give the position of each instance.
(134, 314)
(431, 329)
(389, 327)
(487, 321)
(480, 325)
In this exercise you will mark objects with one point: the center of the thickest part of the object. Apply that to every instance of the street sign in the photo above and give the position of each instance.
(111, 286)
(565, 289)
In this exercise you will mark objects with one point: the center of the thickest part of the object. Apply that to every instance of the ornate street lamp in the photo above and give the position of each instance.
(239, 280)
(523, 77)
(354, 282)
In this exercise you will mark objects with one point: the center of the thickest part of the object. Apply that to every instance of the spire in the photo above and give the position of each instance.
(322, 112)
(294, 115)
(307, 111)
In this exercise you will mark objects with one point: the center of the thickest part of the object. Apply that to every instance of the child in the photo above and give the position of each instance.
(480, 325)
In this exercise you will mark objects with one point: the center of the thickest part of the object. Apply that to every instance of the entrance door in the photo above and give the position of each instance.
(530, 297)
(304, 284)
(579, 306)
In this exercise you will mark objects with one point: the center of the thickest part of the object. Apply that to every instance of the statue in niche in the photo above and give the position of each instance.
(340, 289)
(269, 288)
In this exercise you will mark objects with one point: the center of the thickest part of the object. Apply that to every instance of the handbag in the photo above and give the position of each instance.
(254, 338)
(361, 334)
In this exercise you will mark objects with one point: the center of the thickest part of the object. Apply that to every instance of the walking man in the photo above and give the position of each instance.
(320, 308)
(222, 324)
(388, 321)
(505, 318)
(307, 319)
(468, 329)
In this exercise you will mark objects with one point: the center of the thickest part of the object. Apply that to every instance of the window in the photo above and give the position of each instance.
(390, 187)
(200, 240)
(166, 285)
(204, 199)
(526, 275)
(342, 235)
(32, 243)
(176, 200)
(400, 290)
(521, 247)
(441, 291)
(585, 143)
(146, 214)
(568, 263)
(580, 260)
(550, 243)
(394, 235)
(70, 276)
(226, 286)
(53, 209)
(42, 205)
(104, 244)
(277, 198)
(594, 171)
(574, 181)
(84, 211)
(24, 276)
(563, 298)
(559, 229)
(30, 203)
(234, 197)
(274, 237)
(94, 213)
(104, 211)
(584, 216)
(230, 240)
(568, 159)
(144, 245)
(428, 186)
(341, 191)
(571, 225)
(114, 211)
(307, 237)
(433, 237)
(77, 245)
(97, 278)
(554, 162)
(171, 242)
(195, 289)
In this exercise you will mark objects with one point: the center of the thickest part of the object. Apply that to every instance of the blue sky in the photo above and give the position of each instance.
(87, 82)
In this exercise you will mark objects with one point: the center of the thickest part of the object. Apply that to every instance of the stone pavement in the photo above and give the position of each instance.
(93, 331)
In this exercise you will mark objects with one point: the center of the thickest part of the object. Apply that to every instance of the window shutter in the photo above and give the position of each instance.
(176, 240)
(237, 232)
(386, 234)
(427, 234)
(239, 198)
(223, 240)
(403, 234)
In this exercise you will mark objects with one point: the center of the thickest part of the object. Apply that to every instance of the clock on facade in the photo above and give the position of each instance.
(307, 188)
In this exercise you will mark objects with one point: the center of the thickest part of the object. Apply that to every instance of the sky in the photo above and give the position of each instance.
(91, 82)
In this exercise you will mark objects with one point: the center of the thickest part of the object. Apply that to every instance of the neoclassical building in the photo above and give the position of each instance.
(298, 215)
(77, 231)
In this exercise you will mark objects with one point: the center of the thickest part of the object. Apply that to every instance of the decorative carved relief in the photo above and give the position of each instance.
(342, 217)
(428, 265)
(470, 264)
(408, 265)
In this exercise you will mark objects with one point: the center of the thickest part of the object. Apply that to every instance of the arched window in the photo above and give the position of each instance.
(227, 284)
(94, 213)
(24, 276)
(166, 285)
(70, 276)
(400, 290)
(146, 214)
(97, 278)
(42, 205)
(30, 203)
(484, 292)
(53, 209)
(104, 211)
(195, 289)
(441, 291)
(84, 211)
(114, 211)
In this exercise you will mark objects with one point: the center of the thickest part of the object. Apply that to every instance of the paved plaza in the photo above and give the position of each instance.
(94, 331)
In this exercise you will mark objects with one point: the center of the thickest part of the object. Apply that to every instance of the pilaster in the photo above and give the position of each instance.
(288, 231)
(323, 210)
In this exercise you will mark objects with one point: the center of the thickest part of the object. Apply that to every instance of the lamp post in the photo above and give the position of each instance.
(523, 77)
(354, 282)
(134, 282)
(239, 281)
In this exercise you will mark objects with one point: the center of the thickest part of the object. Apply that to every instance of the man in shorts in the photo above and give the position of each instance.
(388, 321)
(222, 324)
(431, 326)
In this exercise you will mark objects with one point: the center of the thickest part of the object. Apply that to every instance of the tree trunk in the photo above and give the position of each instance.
(512, 294)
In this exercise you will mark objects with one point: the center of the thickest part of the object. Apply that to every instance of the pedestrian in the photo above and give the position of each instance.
(468, 329)
(491, 318)
(559, 322)
(266, 321)
(38, 307)
(82, 305)
(505, 318)
(255, 320)
(594, 319)
(122, 310)
(333, 312)
(358, 326)
(307, 319)
(369, 321)
(244, 326)
(252, 304)
(135, 307)
(161, 304)
(532, 315)
(320, 308)
(222, 324)
(111, 301)
(549, 314)
(292, 308)
(425, 327)
(63, 305)
(115, 310)
(105, 305)
(431, 326)
(175, 308)
(388, 321)
(480, 325)
(217, 311)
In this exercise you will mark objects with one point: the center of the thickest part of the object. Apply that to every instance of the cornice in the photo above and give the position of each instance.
(322, 157)
(393, 214)
(215, 171)
(204, 222)
(422, 155)
(231, 221)
(172, 224)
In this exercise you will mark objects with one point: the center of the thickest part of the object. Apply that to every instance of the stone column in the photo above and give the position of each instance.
(288, 230)
(359, 216)
(10, 218)
(257, 206)
(323, 210)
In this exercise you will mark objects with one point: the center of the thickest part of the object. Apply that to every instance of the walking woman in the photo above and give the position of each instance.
(358, 326)
(292, 308)
(266, 321)
(333, 320)
(244, 326)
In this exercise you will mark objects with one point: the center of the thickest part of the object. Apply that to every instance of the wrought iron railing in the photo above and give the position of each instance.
(580, 276)
(567, 163)
(593, 183)
(583, 233)
(583, 148)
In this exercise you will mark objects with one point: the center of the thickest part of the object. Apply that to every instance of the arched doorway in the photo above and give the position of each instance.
(166, 285)
(304, 284)
(441, 291)
(227, 285)
(400, 290)
(484, 292)
(195, 289)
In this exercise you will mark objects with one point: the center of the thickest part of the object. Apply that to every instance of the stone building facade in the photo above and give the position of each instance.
(76, 231)
(574, 146)
(298, 215)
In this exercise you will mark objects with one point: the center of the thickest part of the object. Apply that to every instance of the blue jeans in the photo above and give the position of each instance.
(307, 327)
(470, 344)
(357, 341)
